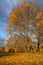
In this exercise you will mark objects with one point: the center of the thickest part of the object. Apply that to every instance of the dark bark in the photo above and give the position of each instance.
(38, 46)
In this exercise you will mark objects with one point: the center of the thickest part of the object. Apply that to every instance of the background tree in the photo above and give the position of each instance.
(39, 25)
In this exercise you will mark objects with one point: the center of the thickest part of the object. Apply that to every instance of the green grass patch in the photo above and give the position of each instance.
(5, 54)
(2, 54)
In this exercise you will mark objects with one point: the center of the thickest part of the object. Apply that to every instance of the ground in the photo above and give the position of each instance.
(22, 59)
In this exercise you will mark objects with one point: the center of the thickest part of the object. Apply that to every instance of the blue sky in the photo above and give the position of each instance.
(5, 9)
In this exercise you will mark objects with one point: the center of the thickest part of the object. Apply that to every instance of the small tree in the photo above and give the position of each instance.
(6, 49)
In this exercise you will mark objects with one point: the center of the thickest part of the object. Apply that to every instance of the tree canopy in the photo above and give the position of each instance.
(22, 17)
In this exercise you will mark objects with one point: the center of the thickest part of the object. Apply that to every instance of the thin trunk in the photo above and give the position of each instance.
(38, 46)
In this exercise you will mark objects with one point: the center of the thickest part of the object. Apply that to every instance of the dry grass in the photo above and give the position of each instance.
(22, 59)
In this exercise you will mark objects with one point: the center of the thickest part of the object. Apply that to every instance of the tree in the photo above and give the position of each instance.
(6, 49)
(22, 17)
(39, 26)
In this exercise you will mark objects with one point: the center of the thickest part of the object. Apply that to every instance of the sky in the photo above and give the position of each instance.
(5, 9)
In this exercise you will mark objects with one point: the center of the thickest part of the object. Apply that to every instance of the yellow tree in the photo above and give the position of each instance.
(19, 21)
(39, 25)
(20, 18)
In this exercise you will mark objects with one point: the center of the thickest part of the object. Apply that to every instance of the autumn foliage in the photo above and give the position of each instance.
(20, 19)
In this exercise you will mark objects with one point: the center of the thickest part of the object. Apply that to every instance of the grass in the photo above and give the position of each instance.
(21, 59)
(5, 54)
(2, 54)
(22, 63)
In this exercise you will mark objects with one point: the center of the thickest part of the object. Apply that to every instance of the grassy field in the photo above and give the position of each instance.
(21, 59)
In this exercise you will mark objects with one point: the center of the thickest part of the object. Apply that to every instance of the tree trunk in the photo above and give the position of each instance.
(38, 46)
